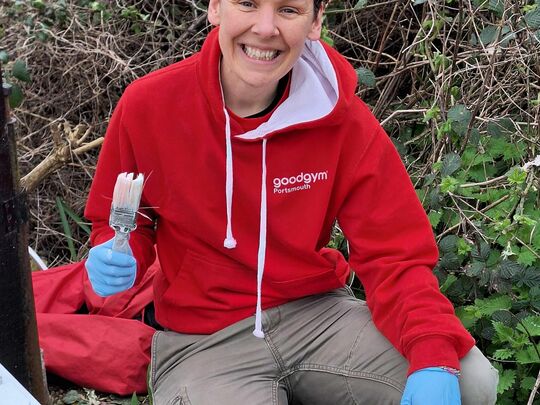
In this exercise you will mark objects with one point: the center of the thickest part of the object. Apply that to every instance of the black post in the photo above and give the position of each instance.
(19, 347)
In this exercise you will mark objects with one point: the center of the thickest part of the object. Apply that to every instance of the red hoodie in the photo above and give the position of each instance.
(273, 194)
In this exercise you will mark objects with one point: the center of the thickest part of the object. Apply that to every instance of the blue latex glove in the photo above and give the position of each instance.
(110, 272)
(431, 386)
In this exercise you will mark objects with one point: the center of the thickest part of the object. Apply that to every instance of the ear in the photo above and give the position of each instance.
(316, 26)
(214, 12)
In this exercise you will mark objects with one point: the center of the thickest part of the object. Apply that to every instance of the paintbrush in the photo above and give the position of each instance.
(126, 199)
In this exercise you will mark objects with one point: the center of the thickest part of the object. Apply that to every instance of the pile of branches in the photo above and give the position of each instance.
(80, 57)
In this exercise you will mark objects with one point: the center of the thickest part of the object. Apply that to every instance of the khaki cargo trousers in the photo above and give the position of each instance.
(318, 350)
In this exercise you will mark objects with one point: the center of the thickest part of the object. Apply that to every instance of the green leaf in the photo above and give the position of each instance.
(530, 277)
(450, 261)
(72, 397)
(418, 2)
(497, 146)
(516, 176)
(78, 220)
(531, 325)
(504, 333)
(475, 268)
(528, 383)
(66, 228)
(97, 6)
(534, 296)
(503, 354)
(433, 113)
(451, 162)
(16, 96)
(4, 57)
(20, 71)
(504, 316)
(434, 218)
(527, 356)
(491, 304)
(506, 380)
(435, 199)
(459, 113)
(501, 127)
(325, 36)
(488, 34)
(448, 244)
(532, 18)
(360, 4)
(482, 252)
(525, 220)
(134, 399)
(429, 179)
(366, 77)
(451, 279)
(449, 184)
(463, 247)
(526, 257)
(509, 269)
(497, 6)
(467, 317)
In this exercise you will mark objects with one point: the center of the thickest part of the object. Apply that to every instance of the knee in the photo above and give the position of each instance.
(478, 380)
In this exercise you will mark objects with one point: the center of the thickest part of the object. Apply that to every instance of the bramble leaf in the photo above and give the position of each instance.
(532, 18)
(451, 162)
(360, 4)
(475, 268)
(448, 243)
(366, 77)
(20, 71)
(503, 354)
(494, 303)
(527, 356)
(531, 325)
(434, 218)
(509, 268)
(459, 113)
(526, 257)
(506, 380)
(16, 96)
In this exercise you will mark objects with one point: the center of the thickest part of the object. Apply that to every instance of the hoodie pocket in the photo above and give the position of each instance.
(206, 282)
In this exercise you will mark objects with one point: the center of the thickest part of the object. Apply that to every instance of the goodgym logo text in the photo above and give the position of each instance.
(301, 181)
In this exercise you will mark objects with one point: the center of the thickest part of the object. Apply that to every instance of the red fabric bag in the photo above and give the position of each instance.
(105, 349)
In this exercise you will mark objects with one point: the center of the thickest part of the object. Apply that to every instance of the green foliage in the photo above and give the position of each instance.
(467, 162)
(366, 77)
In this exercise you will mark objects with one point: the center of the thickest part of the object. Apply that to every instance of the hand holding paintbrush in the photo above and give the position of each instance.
(111, 266)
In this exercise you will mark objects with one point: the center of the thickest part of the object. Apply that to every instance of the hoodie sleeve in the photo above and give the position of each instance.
(117, 156)
(393, 252)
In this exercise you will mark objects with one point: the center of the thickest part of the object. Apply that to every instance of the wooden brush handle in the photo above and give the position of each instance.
(121, 243)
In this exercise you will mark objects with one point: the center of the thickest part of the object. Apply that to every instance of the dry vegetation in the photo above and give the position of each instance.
(444, 77)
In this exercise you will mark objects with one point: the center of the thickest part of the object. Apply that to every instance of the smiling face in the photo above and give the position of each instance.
(261, 40)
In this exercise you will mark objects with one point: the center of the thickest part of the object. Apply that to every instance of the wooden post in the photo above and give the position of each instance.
(19, 347)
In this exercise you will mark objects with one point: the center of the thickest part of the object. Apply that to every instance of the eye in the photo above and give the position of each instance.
(246, 4)
(289, 10)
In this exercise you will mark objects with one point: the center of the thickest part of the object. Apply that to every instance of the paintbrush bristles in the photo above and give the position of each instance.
(127, 191)
(126, 198)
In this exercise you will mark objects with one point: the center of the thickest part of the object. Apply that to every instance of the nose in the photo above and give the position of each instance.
(265, 24)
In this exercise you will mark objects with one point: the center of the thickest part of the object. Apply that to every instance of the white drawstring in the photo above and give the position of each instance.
(229, 242)
(258, 332)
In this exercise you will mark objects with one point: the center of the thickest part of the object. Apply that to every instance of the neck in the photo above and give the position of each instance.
(245, 100)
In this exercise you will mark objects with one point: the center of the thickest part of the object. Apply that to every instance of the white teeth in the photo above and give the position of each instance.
(259, 54)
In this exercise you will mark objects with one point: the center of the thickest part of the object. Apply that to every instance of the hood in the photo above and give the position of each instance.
(322, 86)
(321, 89)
